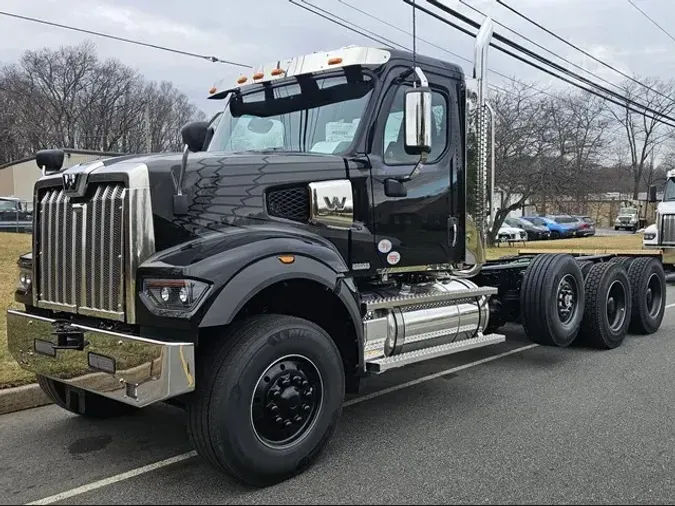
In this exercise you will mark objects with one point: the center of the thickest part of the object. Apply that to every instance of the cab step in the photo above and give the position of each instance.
(427, 298)
(381, 365)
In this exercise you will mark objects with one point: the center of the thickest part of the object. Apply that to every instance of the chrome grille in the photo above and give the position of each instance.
(667, 232)
(81, 260)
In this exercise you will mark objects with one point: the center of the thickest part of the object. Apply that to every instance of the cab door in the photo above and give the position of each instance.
(417, 229)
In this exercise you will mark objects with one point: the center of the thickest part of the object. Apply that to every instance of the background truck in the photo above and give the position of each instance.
(660, 236)
(15, 215)
(325, 227)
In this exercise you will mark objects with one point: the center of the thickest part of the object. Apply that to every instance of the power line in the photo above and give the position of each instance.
(374, 37)
(626, 102)
(531, 21)
(541, 46)
(122, 39)
(346, 24)
(652, 20)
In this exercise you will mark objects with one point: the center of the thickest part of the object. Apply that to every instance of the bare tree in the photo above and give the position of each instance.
(68, 97)
(644, 134)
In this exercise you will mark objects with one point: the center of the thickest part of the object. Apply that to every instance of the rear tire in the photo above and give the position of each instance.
(625, 261)
(268, 398)
(83, 403)
(552, 300)
(608, 306)
(648, 286)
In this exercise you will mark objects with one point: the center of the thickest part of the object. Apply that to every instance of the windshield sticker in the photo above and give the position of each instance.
(339, 131)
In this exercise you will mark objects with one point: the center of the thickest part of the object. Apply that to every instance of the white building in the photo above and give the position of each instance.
(17, 178)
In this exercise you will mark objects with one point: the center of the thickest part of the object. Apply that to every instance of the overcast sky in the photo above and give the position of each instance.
(258, 31)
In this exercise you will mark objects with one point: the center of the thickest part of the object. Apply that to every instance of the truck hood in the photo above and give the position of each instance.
(225, 191)
(666, 207)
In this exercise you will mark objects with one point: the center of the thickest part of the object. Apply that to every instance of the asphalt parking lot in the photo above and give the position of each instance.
(515, 423)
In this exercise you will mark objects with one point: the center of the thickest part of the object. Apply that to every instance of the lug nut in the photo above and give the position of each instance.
(305, 407)
(276, 394)
(287, 423)
(273, 407)
(297, 418)
(297, 381)
(279, 420)
(286, 382)
(308, 392)
(305, 383)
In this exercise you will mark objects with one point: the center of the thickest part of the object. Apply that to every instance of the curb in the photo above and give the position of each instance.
(20, 398)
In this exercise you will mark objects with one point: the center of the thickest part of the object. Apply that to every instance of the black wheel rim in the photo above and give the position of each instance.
(286, 401)
(567, 299)
(654, 296)
(616, 305)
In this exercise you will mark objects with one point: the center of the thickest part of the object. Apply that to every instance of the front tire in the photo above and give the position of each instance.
(83, 403)
(552, 299)
(648, 286)
(268, 400)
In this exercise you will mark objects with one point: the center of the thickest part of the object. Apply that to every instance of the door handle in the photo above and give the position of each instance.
(452, 232)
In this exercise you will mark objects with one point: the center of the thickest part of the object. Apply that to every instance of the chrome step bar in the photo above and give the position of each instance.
(387, 363)
(417, 299)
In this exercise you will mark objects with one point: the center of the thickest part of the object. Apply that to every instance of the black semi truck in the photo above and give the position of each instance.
(325, 227)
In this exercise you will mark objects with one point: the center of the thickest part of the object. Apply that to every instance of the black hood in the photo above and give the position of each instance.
(228, 191)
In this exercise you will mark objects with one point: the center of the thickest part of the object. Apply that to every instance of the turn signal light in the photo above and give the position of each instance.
(287, 259)
(258, 75)
(335, 61)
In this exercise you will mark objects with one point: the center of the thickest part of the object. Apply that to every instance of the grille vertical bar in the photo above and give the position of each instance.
(81, 265)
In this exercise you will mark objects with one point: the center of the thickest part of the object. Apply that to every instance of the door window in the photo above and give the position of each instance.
(394, 151)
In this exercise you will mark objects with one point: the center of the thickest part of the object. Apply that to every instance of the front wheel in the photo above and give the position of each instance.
(555, 234)
(268, 400)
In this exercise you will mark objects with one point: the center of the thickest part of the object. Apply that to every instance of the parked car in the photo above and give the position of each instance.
(534, 232)
(587, 227)
(571, 222)
(511, 234)
(558, 231)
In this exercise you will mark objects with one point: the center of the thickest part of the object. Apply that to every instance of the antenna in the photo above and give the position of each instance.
(414, 34)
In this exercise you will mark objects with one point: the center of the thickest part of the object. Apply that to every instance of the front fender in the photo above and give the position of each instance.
(264, 273)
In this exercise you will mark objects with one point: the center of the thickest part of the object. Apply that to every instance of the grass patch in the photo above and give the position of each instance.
(614, 242)
(11, 246)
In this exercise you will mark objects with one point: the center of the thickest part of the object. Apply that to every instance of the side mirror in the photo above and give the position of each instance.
(194, 135)
(50, 160)
(651, 194)
(417, 121)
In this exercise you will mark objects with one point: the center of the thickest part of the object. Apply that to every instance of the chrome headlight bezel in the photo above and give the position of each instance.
(173, 297)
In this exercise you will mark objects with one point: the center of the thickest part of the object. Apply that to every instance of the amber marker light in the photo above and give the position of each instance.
(286, 259)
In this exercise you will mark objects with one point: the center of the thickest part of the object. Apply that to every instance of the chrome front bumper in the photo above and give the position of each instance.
(130, 369)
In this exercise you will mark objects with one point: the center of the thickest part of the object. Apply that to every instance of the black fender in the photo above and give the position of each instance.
(265, 272)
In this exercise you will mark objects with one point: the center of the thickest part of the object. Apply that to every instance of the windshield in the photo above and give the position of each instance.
(513, 222)
(536, 221)
(565, 219)
(313, 115)
(627, 210)
(7, 205)
(669, 193)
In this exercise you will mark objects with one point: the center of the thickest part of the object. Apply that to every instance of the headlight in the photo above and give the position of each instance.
(25, 280)
(173, 294)
(649, 237)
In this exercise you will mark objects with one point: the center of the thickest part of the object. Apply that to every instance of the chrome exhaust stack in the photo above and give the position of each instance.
(478, 114)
